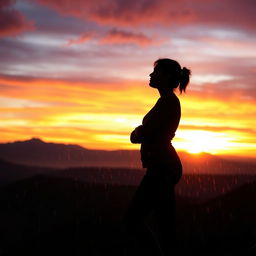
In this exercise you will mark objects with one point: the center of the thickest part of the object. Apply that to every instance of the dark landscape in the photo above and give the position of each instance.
(74, 210)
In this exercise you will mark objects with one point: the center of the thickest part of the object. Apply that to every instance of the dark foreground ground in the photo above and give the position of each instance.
(49, 215)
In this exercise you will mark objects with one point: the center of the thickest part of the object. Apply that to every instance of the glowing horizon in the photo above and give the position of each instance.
(110, 129)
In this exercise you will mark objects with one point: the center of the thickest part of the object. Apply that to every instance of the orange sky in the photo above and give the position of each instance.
(82, 77)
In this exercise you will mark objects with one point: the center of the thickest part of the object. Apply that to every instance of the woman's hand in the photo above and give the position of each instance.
(136, 135)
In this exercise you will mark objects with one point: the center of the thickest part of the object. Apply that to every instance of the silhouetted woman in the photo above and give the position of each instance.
(163, 166)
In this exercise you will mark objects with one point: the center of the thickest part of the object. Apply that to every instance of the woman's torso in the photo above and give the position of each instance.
(157, 148)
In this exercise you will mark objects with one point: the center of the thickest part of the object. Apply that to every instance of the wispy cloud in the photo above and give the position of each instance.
(116, 36)
(230, 13)
(81, 39)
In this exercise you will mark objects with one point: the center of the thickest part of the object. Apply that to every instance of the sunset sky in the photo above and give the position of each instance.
(77, 71)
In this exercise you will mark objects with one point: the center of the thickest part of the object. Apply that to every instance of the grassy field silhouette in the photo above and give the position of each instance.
(63, 214)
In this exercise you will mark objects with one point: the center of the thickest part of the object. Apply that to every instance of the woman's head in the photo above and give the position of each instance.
(168, 73)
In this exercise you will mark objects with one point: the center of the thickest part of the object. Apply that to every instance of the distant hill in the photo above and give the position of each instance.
(10, 172)
(227, 221)
(200, 187)
(39, 153)
(55, 155)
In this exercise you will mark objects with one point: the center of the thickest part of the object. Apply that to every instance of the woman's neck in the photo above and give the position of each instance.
(165, 91)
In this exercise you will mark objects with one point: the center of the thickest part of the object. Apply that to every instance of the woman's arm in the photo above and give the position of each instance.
(144, 133)
(135, 136)
(162, 118)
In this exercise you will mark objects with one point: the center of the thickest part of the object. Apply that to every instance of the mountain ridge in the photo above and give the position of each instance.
(36, 152)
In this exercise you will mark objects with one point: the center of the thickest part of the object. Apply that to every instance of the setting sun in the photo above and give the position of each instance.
(201, 141)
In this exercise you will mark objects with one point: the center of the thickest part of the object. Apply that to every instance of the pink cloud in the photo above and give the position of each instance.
(115, 36)
(230, 13)
(118, 12)
(12, 22)
(82, 39)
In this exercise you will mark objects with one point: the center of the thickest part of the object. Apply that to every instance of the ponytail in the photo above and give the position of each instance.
(184, 79)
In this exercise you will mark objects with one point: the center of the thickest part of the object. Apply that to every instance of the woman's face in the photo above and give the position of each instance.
(158, 78)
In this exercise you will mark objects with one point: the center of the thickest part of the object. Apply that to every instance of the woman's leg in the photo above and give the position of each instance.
(155, 192)
(165, 208)
(165, 215)
(143, 201)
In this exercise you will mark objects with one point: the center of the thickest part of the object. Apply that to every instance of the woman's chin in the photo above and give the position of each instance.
(152, 85)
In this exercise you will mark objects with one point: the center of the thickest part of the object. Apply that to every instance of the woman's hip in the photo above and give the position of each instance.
(169, 171)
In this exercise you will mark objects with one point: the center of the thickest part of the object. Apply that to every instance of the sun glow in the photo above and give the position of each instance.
(202, 141)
